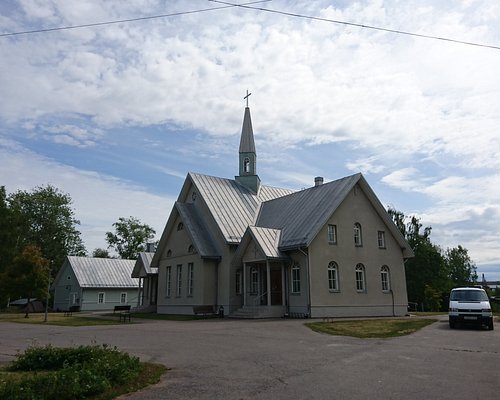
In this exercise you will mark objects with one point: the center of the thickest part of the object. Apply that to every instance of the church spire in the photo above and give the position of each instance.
(248, 156)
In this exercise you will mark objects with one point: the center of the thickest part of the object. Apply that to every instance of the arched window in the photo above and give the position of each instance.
(191, 249)
(180, 226)
(360, 278)
(169, 253)
(385, 278)
(358, 237)
(333, 276)
(246, 165)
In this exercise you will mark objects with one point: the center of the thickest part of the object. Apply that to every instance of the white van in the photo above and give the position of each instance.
(470, 305)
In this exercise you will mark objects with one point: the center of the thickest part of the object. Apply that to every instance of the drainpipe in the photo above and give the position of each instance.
(306, 256)
(392, 295)
(217, 284)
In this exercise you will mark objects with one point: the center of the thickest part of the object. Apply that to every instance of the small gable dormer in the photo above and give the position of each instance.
(248, 156)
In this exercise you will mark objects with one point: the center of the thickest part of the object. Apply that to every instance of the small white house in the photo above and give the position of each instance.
(95, 284)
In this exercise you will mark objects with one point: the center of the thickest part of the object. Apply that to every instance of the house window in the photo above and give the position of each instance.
(169, 253)
(360, 278)
(358, 239)
(179, 280)
(381, 239)
(190, 279)
(100, 298)
(123, 298)
(385, 278)
(333, 276)
(238, 282)
(246, 165)
(169, 281)
(191, 249)
(73, 298)
(180, 226)
(296, 279)
(254, 280)
(332, 234)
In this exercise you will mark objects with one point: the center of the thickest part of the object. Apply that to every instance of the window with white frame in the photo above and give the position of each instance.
(246, 165)
(168, 276)
(333, 276)
(360, 278)
(238, 281)
(381, 239)
(254, 280)
(190, 278)
(358, 238)
(73, 298)
(100, 298)
(332, 234)
(385, 278)
(179, 280)
(296, 278)
(123, 298)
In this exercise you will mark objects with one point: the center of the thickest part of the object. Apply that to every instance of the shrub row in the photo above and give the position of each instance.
(68, 373)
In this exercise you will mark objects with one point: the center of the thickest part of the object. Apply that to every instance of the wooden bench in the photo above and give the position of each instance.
(124, 312)
(205, 310)
(69, 312)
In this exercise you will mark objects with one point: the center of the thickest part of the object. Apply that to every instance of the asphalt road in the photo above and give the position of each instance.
(283, 359)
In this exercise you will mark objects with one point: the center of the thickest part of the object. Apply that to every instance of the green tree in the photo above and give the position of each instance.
(7, 240)
(44, 218)
(461, 270)
(101, 253)
(426, 275)
(130, 237)
(26, 276)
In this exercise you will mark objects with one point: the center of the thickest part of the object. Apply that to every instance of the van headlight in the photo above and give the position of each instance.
(486, 310)
(453, 309)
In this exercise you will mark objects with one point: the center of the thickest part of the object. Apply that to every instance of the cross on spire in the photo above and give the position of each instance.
(246, 97)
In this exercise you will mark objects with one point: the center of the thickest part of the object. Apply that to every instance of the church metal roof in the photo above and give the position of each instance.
(247, 143)
(197, 230)
(142, 266)
(233, 206)
(103, 272)
(268, 240)
(301, 215)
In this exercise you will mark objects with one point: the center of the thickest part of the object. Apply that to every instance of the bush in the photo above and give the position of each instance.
(68, 373)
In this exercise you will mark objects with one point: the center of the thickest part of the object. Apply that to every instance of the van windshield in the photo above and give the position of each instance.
(468, 295)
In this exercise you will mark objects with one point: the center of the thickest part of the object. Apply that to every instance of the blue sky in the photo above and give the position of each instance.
(117, 115)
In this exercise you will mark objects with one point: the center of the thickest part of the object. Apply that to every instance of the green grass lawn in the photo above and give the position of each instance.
(371, 328)
(57, 319)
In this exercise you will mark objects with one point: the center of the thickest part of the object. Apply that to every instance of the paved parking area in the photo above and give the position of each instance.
(283, 359)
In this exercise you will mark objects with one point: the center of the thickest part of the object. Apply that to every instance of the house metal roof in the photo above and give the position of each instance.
(301, 215)
(233, 206)
(103, 272)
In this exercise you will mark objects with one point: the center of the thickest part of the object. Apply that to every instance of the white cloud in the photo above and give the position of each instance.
(98, 200)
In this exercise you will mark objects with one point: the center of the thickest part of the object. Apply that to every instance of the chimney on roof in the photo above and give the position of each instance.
(318, 181)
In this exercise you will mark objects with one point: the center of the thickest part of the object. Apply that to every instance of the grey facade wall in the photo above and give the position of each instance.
(347, 301)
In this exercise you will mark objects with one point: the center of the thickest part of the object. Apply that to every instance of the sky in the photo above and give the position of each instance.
(116, 115)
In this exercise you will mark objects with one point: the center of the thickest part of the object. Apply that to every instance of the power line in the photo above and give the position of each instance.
(61, 28)
(296, 15)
